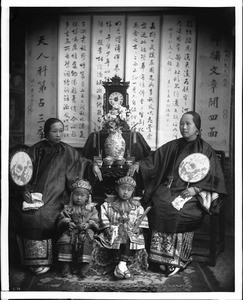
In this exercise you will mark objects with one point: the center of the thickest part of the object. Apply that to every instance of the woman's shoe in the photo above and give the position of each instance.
(118, 273)
(171, 271)
(44, 270)
(127, 274)
(40, 270)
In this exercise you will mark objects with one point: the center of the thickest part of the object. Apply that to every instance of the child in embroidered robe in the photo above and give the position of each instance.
(77, 224)
(121, 221)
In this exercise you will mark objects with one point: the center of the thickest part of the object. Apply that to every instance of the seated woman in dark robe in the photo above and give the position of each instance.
(172, 225)
(56, 165)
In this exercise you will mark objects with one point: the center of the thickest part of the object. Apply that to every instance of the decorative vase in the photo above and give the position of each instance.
(115, 144)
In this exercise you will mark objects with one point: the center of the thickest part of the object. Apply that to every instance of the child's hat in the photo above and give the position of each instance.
(80, 183)
(126, 180)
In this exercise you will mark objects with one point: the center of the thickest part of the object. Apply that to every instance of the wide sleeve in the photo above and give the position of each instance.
(214, 181)
(157, 163)
(76, 165)
(35, 152)
(154, 169)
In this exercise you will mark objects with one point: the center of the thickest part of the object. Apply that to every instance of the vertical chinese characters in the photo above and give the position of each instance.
(142, 69)
(213, 84)
(177, 74)
(42, 72)
(40, 100)
(74, 37)
(108, 42)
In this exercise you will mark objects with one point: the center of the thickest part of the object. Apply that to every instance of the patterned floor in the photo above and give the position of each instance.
(196, 278)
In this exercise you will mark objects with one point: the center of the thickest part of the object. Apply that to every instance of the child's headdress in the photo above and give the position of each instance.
(127, 180)
(80, 183)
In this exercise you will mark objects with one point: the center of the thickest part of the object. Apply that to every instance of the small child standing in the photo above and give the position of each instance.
(122, 219)
(77, 223)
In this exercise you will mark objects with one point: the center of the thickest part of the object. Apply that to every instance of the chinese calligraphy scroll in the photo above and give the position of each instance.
(40, 79)
(176, 74)
(213, 86)
(171, 67)
(73, 77)
(108, 54)
(142, 69)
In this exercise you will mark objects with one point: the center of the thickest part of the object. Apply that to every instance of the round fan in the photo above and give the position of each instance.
(194, 167)
(21, 168)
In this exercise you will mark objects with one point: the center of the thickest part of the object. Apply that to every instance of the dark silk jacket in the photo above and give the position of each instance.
(59, 165)
(156, 168)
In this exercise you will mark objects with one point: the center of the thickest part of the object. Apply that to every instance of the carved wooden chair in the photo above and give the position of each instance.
(215, 240)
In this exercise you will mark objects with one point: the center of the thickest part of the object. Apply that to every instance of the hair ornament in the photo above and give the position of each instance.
(126, 180)
(80, 183)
